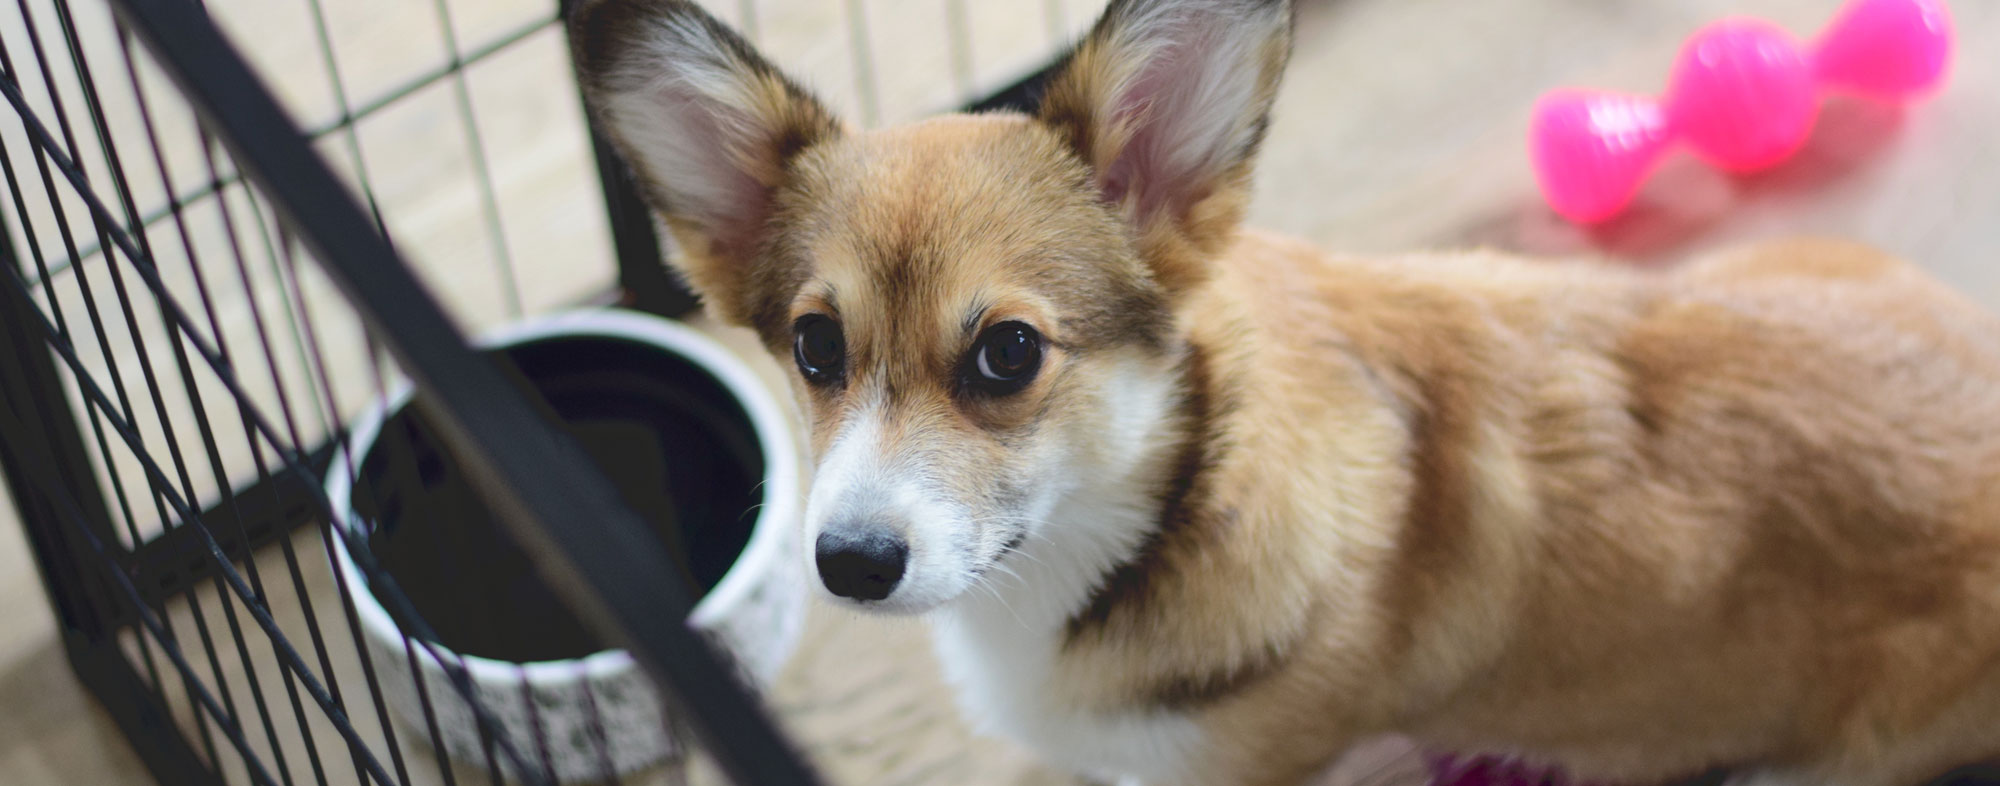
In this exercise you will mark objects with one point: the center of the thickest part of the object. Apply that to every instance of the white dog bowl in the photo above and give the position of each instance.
(589, 714)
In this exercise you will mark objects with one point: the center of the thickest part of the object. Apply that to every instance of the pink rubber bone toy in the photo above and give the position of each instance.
(1743, 96)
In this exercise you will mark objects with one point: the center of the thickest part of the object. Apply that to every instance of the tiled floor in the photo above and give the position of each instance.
(1400, 127)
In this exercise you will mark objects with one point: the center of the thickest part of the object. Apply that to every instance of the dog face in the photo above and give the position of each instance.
(980, 309)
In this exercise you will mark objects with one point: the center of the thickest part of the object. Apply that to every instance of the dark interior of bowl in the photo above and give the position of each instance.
(676, 443)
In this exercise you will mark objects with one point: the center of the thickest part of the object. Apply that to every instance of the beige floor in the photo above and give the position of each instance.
(1400, 127)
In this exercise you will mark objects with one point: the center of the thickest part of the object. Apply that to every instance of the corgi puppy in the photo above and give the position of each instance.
(1186, 503)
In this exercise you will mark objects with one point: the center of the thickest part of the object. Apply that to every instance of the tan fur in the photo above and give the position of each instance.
(1744, 513)
(1641, 524)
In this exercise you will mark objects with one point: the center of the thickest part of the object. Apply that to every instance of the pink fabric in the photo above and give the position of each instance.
(1493, 771)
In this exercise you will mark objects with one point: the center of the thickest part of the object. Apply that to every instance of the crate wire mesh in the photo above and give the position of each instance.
(154, 455)
(179, 369)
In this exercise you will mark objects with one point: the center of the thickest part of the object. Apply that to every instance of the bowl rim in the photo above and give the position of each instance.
(762, 554)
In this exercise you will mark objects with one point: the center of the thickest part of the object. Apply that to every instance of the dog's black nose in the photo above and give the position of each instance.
(863, 563)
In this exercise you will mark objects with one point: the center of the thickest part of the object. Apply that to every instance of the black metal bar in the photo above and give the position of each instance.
(165, 495)
(120, 419)
(30, 383)
(443, 759)
(243, 526)
(362, 758)
(94, 550)
(95, 397)
(330, 61)
(45, 149)
(147, 723)
(599, 557)
(96, 428)
(29, 376)
(346, 603)
(174, 561)
(1022, 95)
(958, 32)
(39, 429)
(340, 122)
(55, 204)
(115, 166)
(863, 51)
(475, 149)
(352, 134)
(642, 269)
(330, 400)
(600, 739)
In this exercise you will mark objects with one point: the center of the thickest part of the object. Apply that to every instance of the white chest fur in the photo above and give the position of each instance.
(1001, 671)
(1001, 649)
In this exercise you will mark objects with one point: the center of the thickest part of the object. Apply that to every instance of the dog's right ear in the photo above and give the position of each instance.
(1167, 102)
(710, 127)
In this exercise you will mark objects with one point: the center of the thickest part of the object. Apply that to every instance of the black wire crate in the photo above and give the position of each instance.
(297, 526)
(273, 489)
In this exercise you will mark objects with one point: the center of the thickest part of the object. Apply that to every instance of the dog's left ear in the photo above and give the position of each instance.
(1167, 101)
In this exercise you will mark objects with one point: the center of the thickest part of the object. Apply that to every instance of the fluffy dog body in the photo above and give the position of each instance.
(1251, 502)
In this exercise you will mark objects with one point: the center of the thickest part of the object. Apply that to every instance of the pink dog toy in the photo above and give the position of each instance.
(1743, 95)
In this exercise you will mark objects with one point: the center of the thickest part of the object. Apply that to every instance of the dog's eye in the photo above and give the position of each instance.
(1006, 358)
(820, 348)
